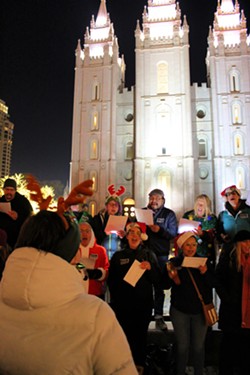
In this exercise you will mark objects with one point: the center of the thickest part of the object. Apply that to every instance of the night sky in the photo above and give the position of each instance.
(37, 57)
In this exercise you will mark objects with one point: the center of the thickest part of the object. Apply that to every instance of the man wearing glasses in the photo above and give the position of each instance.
(159, 236)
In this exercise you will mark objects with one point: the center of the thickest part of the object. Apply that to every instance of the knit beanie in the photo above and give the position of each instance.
(9, 182)
(112, 198)
(114, 195)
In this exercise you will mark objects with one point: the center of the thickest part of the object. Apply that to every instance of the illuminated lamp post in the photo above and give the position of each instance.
(129, 209)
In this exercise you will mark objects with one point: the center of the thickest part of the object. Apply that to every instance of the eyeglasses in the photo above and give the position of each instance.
(114, 204)
(231, 193)
(155, 199)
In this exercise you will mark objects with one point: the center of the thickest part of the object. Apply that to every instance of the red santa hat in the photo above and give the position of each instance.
(230, 189)
(180, 240)
(141, 226)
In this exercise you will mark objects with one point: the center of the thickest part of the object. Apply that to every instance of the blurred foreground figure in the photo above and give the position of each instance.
(233, 287)
(4, 251)
(48, 324)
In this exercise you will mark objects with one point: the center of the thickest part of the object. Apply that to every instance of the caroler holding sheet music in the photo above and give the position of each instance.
(20, 209)
(132, 298)
(205, 233)
(186, 311)
(111, 240)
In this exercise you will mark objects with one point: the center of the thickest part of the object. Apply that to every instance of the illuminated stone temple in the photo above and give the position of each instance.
(163, 132)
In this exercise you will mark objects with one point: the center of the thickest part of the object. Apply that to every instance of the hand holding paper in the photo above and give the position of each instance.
(194, 262)
(186, 225)
(115, 224)
(5, 207)
(134, 273)
(144, 216)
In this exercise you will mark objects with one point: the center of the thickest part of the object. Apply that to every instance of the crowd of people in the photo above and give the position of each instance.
(83, 297)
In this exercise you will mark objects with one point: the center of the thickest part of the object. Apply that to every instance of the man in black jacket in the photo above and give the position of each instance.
(20, 208)
(159, 236)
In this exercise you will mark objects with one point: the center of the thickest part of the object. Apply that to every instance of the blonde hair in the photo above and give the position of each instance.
(207, 201)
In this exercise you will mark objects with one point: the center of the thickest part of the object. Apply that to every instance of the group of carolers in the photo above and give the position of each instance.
(150, 246)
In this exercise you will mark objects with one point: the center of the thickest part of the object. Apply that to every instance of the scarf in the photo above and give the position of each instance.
(81, 255)
(245, 306)
(234, 212)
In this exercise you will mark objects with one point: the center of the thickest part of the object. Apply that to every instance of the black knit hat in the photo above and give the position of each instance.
(9, 182)
(242, 235)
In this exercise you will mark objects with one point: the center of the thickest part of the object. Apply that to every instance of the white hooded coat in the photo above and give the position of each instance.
(50, 326)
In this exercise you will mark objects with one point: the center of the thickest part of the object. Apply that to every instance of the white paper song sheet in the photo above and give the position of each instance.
(194, 262)
(5, 207)
(144, 216)
(115, 223)
(134, 273)
(186, 225)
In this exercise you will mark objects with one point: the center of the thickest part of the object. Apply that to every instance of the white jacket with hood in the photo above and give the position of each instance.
(49, 326)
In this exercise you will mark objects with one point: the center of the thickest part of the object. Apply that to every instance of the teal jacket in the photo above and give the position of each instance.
(232, 221)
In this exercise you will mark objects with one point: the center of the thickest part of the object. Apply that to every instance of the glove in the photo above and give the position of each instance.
(94, 274)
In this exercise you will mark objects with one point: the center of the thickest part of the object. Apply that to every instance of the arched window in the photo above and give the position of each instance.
(93, 177)
(94, 121)
(234, 77)
(164, 183)
(163, 125)
(202, 144)
(238, 144)
(162, 78)
(129, 152)
(240, 178)
(236, 113)
(94, 149)
(95, 90)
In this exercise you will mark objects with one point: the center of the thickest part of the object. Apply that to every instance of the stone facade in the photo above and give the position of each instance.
(165, 133)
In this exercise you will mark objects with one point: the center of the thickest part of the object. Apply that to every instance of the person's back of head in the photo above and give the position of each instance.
(46, 231)
(42, 231)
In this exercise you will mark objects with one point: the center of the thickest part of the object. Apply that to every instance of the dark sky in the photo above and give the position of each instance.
(37, 56)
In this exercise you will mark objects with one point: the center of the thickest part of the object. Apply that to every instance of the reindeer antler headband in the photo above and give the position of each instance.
(115, 194)
(77, 195)
(120, 191)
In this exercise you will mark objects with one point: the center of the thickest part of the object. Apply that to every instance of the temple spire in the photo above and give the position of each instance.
(229, 28)
(227, 6)
(102, 16)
